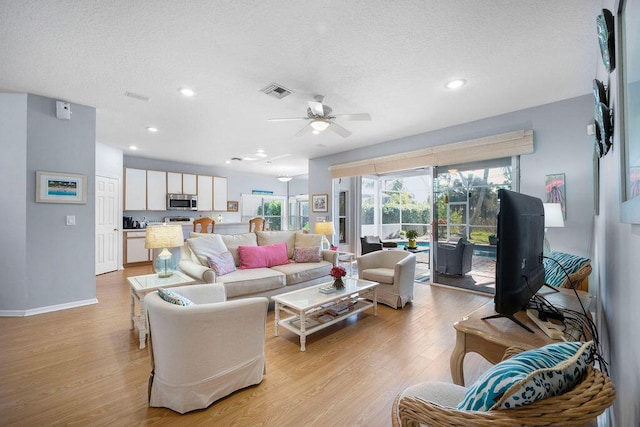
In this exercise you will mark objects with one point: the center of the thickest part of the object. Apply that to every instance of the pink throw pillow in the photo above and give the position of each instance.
(263, 256)
(310, 254)
(222, 263)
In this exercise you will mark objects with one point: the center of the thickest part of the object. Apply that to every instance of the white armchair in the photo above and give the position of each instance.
(203, 352)
(394, 270)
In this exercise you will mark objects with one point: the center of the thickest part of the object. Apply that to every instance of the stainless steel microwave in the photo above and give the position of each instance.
(182, 202)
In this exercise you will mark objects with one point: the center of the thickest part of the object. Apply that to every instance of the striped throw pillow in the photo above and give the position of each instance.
(529, 376)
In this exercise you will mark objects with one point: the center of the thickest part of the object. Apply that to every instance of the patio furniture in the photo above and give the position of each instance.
(373, 243)
(454, 259)
(394, 270)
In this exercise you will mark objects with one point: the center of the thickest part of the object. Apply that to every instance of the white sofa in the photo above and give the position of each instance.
(203, 352)
(263, 281)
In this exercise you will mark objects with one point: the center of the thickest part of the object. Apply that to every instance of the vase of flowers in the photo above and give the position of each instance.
(338, 272)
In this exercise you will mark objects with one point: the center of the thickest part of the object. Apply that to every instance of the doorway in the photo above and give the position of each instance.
(107, 224)
(465, 212)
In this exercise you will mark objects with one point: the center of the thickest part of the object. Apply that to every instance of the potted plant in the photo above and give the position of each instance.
(493, 239)
(412, 235)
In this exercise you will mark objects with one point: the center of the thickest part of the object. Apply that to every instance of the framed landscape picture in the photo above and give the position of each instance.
(320, 203)
(232, 206)
(54, 187)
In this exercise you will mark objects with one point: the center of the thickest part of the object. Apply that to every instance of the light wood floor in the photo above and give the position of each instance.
(83, 366)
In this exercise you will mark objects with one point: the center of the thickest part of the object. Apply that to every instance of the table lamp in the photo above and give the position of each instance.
(162, 237)
(327, 229)
(552, 218)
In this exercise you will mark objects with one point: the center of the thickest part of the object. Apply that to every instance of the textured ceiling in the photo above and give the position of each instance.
(387, 58)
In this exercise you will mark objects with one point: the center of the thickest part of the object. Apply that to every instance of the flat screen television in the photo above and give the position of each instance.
(519, 261)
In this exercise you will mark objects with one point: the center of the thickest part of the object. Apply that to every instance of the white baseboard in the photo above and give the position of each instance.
(47, 309)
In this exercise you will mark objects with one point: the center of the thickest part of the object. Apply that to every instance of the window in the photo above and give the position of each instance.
(299, 213)
(268, 207)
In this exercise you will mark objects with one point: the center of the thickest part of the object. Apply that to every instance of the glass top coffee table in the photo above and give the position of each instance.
(313, 310)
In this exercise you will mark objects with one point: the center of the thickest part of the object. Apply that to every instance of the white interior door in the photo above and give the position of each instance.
(107, 224)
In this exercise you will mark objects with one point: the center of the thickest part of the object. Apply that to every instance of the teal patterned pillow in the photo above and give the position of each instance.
(553, 273)
(529, 376)
(173, 298)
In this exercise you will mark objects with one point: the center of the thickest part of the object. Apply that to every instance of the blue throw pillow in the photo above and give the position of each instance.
(173, 298)
(529, 376)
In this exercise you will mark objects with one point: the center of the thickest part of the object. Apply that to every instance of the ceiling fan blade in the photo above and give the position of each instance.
(339, 130)
(304, 130)
(355, 116)
(286, 119)
(316, 108)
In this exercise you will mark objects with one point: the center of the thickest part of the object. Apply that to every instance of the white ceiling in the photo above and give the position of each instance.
(387, 58)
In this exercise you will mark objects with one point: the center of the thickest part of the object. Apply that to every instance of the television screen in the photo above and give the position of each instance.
(519, 263)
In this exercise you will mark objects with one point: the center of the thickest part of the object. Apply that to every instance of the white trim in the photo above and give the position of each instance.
(487, 148)
(47, 309)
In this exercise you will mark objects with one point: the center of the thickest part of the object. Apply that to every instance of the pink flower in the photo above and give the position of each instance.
(338, 271)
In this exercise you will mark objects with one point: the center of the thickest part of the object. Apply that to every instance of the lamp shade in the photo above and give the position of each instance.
(164, 236)
(553, 215)
(325, 228)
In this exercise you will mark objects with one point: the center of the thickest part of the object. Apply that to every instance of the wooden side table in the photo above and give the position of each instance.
(490, 338)
(142, 285)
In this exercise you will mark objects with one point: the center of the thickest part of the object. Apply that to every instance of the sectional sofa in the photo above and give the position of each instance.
(264, 263)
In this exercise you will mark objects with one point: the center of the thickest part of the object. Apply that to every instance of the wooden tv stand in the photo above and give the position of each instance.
(490, 338)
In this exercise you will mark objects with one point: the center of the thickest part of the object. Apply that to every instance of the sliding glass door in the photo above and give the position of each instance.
(465, 208)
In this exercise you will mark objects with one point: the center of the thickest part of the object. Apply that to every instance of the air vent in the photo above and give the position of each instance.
(276, 90)
(137, 96)
(236, 159)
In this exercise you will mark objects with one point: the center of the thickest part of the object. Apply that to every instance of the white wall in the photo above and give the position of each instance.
(51, 265)
(617, 272)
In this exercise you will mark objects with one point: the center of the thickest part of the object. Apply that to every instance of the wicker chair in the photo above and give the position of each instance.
(574, 408)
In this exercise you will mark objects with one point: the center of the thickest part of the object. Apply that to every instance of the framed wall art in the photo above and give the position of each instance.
(629, 108)
(556, 192)
(232, 206)
(320, 203)
(55, 187)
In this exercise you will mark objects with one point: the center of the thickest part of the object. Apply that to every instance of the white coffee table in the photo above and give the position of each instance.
(311, 309)
(142, 285)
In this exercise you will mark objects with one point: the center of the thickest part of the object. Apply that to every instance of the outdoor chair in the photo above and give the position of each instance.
(373, 243)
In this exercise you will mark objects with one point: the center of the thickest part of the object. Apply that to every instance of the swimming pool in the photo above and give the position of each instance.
(485, 251)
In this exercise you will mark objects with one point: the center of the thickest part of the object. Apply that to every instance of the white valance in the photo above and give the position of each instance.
(490, 147)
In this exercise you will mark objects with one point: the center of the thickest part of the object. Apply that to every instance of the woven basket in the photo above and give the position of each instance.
(577, 277)
(576, 407)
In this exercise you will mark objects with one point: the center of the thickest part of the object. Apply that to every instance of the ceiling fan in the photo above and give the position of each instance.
(320, 118)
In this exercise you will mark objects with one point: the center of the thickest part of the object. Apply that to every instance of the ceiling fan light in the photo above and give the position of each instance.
(284, 178)
(319, 124)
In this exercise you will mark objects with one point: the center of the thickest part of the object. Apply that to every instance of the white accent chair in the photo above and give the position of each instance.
(206, 351)
(394, 270)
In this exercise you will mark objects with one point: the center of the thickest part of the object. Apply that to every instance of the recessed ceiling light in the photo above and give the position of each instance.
(455, 84)
(133, 148)
(152, 129)
(261, 153)
(186, 91)
(227, 161)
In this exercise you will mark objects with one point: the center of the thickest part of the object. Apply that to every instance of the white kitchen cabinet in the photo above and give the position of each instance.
(189, 185)
(219, 193)
(134, 250)
(156, 190)
(135, 190)
(205, 193)
(174, 183)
